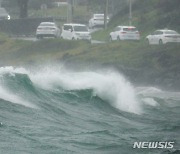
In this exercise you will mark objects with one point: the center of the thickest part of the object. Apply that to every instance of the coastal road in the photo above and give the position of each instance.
(34, 39)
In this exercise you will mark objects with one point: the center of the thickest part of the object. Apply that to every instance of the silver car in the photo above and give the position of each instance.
(47, 29)
(163, 36)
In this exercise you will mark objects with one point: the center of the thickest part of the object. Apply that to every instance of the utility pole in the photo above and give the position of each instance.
(70, 11)
(0, 2)
(112, 7)
(130, 12)
(106, 13)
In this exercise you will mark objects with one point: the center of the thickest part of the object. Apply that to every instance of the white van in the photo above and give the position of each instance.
(75, 32)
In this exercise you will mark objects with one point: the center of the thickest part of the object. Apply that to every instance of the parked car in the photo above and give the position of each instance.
(163, 36)
(3, 14)
(97, 20)
(47, 29)
(125, 33)
(75, 32)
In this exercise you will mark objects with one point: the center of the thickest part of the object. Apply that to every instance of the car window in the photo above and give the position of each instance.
(153, 33)
(117, 29)
(67, 27)
(80, 28)
(130, 29)
(170, 32)
(48, 24)
(2, 11)
(158, 33)
(99, 16)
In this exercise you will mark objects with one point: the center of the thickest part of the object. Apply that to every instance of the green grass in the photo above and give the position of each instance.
(150, 61)
(128, 53)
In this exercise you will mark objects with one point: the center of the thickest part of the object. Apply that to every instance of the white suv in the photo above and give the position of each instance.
(97, 20)
(125, 33)
(163, 36)
(75, 32)
(47, 29)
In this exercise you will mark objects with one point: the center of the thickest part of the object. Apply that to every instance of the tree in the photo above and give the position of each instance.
(36, 4)
(23, 7)
(169, 5)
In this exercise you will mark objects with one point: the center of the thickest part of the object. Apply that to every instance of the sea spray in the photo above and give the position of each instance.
(12, 70)
(150, 101)
(108, 85)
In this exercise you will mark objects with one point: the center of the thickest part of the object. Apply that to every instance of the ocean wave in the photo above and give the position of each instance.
(81, 109)
(109, 85)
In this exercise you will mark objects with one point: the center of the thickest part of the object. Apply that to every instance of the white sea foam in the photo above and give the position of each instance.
(12, 70)
(153, 92)
(13, 98)
(148, 90)
(150, 101)
(109, 85)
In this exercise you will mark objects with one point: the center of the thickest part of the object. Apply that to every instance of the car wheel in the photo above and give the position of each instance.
(110, 39)
(73, 38)
(90, 26)
(40, 37)
(147, 41)
(160, 42)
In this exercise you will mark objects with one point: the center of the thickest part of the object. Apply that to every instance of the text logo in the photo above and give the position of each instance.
(153, 145)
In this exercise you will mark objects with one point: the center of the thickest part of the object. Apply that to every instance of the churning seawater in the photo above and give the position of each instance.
(56, 111)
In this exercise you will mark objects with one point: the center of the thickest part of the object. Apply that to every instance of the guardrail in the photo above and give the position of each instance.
(27, 27)
(22, 27)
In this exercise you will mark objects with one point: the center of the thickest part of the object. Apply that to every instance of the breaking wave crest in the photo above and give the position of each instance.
(109, 85)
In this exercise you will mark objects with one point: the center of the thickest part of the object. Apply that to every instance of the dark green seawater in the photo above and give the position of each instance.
(55, 111)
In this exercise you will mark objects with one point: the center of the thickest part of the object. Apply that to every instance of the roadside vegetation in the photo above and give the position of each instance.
(59, 12)
(137, 60)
